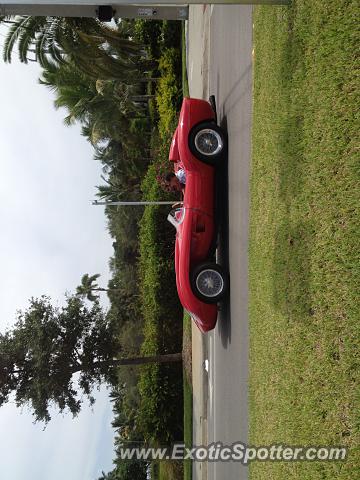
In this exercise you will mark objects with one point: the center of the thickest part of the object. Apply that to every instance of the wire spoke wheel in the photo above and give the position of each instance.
(210, 283)
(208, 142)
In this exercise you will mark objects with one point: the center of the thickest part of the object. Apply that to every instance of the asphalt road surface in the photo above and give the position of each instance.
(230, 80)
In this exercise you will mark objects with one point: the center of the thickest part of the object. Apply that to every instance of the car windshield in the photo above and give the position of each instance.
(176, 216)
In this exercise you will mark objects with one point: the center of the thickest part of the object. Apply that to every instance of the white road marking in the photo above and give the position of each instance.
(206, 365)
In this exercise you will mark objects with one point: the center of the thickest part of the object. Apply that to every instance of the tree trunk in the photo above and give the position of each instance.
(148, 79)
(167, 358)
(141, 98)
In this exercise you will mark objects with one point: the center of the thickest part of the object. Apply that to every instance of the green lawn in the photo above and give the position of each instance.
(304, 236)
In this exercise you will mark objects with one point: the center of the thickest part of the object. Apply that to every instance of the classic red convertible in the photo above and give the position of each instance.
(198, 146)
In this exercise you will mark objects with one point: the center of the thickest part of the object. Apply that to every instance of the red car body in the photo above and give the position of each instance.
(195, 221)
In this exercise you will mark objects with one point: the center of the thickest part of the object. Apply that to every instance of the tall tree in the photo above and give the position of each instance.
(102, 107)
(40, 356)
(47, 346)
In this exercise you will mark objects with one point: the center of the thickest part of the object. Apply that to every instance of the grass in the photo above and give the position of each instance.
(188, 398)
(304, 236)
(170, 470)
(185, 84)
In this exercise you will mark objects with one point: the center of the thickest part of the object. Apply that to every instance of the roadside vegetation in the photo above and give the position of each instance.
(188, 397)
(187, 329)
(304, 236)
(127, 102)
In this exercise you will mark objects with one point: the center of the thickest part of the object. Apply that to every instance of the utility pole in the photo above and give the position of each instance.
(95, 202)
(163, 9)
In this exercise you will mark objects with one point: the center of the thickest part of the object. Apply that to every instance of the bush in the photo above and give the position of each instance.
(160, 386)
(169, 94)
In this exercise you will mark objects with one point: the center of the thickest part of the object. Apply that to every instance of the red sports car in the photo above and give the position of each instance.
(197, 148)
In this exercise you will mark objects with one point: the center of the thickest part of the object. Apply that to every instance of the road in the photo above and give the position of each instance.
(220, 63)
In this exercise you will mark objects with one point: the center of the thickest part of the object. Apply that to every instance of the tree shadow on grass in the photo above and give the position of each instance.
(291, 158)
(291, 112)
(294, 237)
(291, 270)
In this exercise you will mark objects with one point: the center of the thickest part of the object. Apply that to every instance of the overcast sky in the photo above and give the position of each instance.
(50, 236)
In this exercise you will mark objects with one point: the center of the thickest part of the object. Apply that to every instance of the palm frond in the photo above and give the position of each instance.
(49, 76)
(28, 36)
(41, 50)
(69, 120)
(15, 30)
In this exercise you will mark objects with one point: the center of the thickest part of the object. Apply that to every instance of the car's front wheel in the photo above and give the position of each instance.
(210, 282)
(207, 142)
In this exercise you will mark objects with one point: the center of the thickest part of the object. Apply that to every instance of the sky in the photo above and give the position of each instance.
(50, 235)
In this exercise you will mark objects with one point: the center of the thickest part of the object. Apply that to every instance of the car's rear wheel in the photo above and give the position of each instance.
(207, 142)
(210, 282)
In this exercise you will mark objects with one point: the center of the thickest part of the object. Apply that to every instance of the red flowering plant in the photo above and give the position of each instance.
(162, 169)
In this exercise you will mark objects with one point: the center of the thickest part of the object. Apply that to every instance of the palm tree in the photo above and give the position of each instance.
(30, 33)
(88, 286)
(103, 114)
(107, 56)
(99, 50)
(73, 89)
